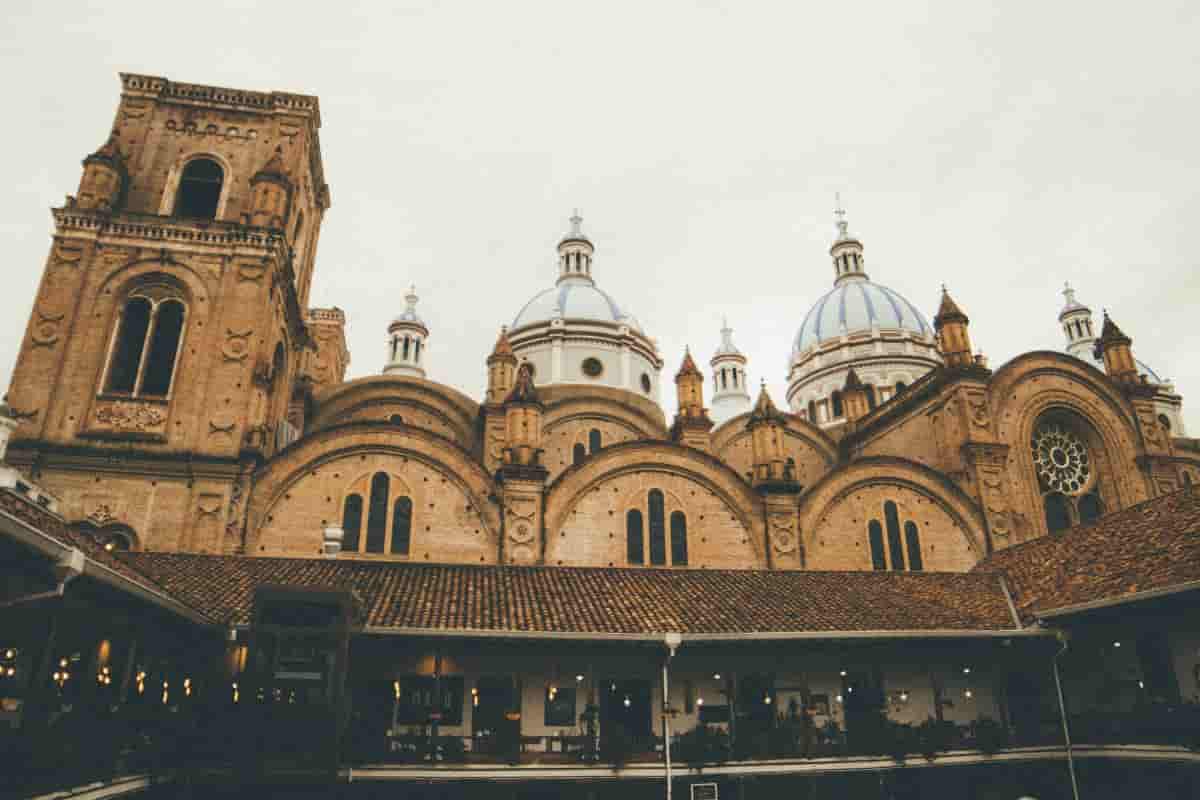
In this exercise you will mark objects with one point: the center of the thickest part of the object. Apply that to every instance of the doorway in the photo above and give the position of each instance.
(625, 709)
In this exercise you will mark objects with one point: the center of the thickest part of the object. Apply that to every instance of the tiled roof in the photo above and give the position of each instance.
(1151, 546)
(584, 600)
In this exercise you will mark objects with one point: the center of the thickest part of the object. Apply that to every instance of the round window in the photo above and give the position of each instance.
(1061, 459)
(646, 385)
(592, 367)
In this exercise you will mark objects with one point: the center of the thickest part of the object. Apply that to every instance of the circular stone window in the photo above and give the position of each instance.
(646, 385)
(592, 367)
(1061, 459)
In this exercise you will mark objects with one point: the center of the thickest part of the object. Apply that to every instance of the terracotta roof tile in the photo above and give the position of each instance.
(582, 600)
(1149, 546)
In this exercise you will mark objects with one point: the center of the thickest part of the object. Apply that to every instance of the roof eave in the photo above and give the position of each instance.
(1109, 602)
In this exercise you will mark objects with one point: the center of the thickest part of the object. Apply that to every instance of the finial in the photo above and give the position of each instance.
(411, 298)
(841, 217)
(576, 223)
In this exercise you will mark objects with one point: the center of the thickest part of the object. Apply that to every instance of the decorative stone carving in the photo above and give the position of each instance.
(237, 344)
(249, 271)
(45, 329)
(102, 514)
(783, 536)
(977, 410)
(208, 504)
(131, 415)
(65, 255)
(224, 422)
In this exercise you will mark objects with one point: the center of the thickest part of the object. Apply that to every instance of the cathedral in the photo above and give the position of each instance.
(180, 404)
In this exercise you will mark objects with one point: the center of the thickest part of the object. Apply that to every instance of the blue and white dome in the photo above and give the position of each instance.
(858, 305)
(574, 298)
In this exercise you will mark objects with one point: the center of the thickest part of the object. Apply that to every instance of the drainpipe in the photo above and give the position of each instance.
(1063, 637)
(672, 640)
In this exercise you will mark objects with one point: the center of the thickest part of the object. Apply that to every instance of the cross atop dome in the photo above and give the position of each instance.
(840, 213)
(575, 253)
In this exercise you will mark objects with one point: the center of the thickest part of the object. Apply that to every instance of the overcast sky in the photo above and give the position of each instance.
(1000, 148)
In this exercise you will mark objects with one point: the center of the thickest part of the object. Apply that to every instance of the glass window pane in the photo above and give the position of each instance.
(875, 534)
(377, 513)
(164, 346)
(895, 548)
(679, 554)
(658, 538)
(634, 545)
(401, 525)
(912, 537)
(351, 522)
(131, 339)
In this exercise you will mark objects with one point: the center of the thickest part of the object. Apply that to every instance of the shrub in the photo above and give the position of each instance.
(703, 744)
(990, 735)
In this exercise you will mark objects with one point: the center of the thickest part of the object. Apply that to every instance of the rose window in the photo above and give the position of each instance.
(1061, 459)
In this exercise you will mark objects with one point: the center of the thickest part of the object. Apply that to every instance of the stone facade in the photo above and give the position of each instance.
(269, 444)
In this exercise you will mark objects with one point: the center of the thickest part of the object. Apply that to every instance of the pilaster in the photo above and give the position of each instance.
(522, 490)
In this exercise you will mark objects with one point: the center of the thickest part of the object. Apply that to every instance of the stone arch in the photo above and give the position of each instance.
(456, 493)
(166, 205)
(1032, 386)
(583, 526)
(834, 514)
(420, 403)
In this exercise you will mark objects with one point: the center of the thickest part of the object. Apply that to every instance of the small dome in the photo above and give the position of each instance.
(409, 314)
(573, 299)
(855, 306)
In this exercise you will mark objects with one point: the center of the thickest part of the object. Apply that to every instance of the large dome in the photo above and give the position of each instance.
(573, 298)
(857, 305)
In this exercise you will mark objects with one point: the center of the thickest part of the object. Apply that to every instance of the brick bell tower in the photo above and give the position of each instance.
(168, 335)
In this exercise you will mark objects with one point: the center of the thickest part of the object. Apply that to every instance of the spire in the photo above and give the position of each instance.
(273, 170)
(1115, 348)
(853, 382)
(846, 250)
(689, 366)
(503, 348)
(948, 311)
(765, 410)
(410, 302)
(1111, 332)
(524, 391)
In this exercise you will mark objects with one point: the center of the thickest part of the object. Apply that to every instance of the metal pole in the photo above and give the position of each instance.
(667, 723)
(1062, 711)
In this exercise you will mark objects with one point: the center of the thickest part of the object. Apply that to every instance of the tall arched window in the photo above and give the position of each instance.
(377, 513)
(401, 525)
(912, 538)
(131, 342)
(658, 538)
(871, 400)
(875, 536)
(900, 387)
(678, 539)
(634, 542)
(406, 348)
(146, 350)
(593, 441)
(895, 546)
(199, 189)
(812, 411)
(837, 405)
(1058, 517)
(352, 511)
(579, 453)
(1090, 507)
(724, 380)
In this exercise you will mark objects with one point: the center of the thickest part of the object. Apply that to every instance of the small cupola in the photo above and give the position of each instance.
(1076, 320)
(846, 251)
(731, 395)
(407, 335)
(575, 253)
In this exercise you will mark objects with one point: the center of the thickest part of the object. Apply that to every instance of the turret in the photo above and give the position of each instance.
(523, 421)
(854, 398)
(270, 189)
(731, 395)
(104, 177)
(502, 369)
(1117, 351)
(767, 426)
(406, 341)
(1076, 320)
(692, 423)
(575, 253)
(954, 342)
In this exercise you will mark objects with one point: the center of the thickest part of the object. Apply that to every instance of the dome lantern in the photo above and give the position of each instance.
(731, 396)
(846, 251)
(575, 253)
(406, 341)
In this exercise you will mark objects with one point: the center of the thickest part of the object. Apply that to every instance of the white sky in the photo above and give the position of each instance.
(1001, 148)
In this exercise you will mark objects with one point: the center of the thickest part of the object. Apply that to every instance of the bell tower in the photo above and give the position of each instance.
(169, 328)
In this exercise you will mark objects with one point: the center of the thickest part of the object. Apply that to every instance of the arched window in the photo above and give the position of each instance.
(377, 513)
(352, 511)
(199, 189)
(131, 341)
(900, 387)
(658, 538)
(1165, 422)
(401, 525)
(875, 535)
(812, 411)
(579, 453)
(723, 380)
(1090, 507)
(164, 347)
(406, 348)
(593, 441)
(837, 405)
(871, 401)
(146, 350)
(1058, 516)
(395, 345)
(417, 353)
(396, 419)
(678, 539)
(634, 544)
(895, 546)
(912, 538)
